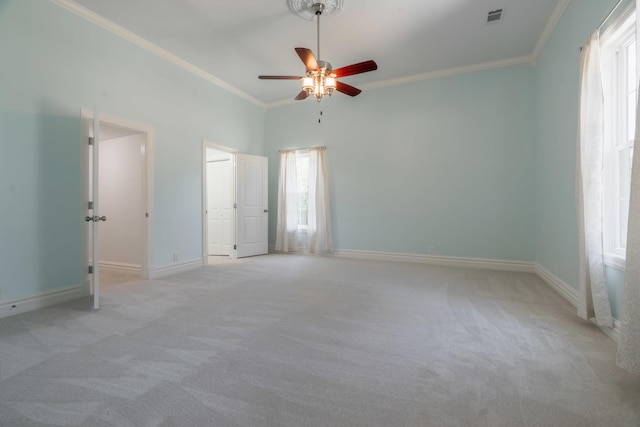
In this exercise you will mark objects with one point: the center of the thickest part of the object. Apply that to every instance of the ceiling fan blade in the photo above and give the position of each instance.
(279, 77)
(347, 89)
(360, 67)
(308, 58)
(302, 95)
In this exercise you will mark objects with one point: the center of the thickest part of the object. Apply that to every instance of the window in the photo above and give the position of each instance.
(302, 187)
(304, 214)
(620, 97)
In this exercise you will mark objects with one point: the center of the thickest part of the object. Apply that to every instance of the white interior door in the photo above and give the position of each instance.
(93, 218)
(220, 207)
(252, 202)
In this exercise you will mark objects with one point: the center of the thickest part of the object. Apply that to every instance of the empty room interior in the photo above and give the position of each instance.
(319, 213)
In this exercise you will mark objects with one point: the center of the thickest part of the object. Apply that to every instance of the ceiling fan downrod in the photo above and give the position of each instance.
(318, 8)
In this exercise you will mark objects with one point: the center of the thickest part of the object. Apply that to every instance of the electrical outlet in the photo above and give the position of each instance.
(175, 257)
(432, 250)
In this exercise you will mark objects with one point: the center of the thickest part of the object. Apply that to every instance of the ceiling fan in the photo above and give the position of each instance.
(321, 78)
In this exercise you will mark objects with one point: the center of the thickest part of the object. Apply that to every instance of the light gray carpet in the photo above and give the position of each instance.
(288, 340)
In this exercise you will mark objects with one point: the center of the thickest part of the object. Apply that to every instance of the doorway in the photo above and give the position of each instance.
(118, 196)
(219, 207)
(120, 181)
(234, 204)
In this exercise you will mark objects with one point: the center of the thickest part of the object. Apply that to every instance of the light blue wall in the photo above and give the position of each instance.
(54, 63)
(477, 165)
(556, 79)
(444, 163)
(39, 203)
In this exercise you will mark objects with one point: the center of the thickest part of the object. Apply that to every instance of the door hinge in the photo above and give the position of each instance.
(91, 269)
(146, 214)
(90, 205)
(235, 206)
(91, 140)
(235, 247)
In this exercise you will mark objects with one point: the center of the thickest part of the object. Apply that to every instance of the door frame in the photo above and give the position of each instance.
(146, 159)
(205, 226)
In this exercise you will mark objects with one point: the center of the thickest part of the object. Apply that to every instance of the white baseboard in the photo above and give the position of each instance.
(120, 266)
(554, 282)
(559, 285)
(613, 333)
(178, 267)
(571, 295)
(488, 264)
(34, 302)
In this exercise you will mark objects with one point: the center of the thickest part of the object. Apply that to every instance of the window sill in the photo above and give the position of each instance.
(614, 260)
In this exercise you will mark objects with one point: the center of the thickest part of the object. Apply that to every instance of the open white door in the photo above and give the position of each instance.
(91, 137)
(220, 214)
(252, 202)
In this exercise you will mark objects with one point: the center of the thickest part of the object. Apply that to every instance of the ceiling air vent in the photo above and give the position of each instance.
(494, 16)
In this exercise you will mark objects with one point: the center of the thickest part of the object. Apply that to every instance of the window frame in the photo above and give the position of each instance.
(615, 41)
(302, 154)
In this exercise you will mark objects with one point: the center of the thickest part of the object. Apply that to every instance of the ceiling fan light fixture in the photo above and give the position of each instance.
(321, 78)
(308, 84)
(330, 84)
(318, 85)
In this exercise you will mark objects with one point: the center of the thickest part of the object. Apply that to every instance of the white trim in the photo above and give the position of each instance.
(619, 34)
(131, 37)
(151, 47)
(44, 299)
(613, 333)
(552, 23)
(180, 267)
(120, 266)
(557, 284)
(488, 264)
(615, 261)
(571, 295)
(554, 282)
(145, 44)
(147, 161)
(519, 60)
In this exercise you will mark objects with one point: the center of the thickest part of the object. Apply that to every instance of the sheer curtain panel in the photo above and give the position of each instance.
(319, 227)
(593, 296)
(629, 342)
(287, 215)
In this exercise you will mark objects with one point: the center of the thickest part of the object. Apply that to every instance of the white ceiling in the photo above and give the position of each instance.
(236, 40)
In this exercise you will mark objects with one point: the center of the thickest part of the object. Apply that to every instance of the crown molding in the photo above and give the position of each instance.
(125, 34)
(451, 72)
(552, 23)
(151, 48)
(519, 60)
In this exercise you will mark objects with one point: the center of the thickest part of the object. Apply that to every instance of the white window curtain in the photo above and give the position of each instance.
(593, 296)
(319, 239)
(629, 343)
(287, 215)
(319, 226)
